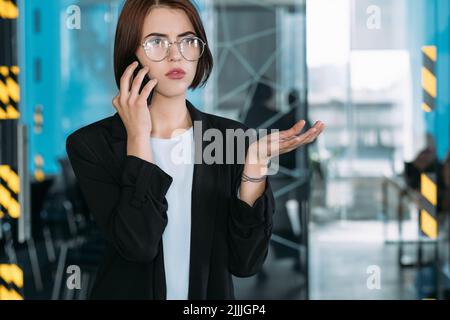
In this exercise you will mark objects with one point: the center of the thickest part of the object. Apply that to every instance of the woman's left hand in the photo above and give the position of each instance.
(281, 142)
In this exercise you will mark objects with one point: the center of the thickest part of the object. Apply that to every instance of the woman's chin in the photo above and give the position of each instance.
(174, 91)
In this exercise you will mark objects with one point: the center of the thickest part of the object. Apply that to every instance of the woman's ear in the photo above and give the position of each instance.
(139, 53)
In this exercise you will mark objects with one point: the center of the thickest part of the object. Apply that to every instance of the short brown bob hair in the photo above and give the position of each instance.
(128, 36)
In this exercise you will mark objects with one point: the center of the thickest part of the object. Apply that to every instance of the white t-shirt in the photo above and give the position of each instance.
(176, 157)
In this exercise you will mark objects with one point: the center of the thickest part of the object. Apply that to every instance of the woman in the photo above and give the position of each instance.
(174, 230)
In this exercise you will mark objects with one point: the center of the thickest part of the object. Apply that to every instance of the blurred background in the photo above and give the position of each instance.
(362, 213)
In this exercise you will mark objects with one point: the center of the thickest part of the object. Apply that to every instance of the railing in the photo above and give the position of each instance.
(404, 193)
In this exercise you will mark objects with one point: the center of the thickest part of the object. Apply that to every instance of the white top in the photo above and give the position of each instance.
(176, 157)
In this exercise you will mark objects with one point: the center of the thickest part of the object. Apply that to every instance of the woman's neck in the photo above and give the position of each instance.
(168, 114)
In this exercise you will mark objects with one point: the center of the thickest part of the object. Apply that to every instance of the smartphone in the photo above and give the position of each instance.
(144, 81)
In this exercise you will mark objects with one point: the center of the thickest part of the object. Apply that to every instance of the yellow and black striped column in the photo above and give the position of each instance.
(428, 186)
(11, 275)
(9, 92)
(11, 282)
(9, 111)
(428, 211)
(429, 82)
(9, 192)
(8, 9)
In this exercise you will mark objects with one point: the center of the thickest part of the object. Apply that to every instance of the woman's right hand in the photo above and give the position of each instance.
(132, 106)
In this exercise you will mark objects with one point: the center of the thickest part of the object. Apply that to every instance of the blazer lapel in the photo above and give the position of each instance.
(203, 198)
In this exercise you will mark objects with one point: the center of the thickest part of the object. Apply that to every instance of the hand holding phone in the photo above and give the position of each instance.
(144, 82)
(131, 102)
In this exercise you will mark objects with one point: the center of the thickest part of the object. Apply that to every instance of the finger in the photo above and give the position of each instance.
(297, 141)
(306, 138)
(294, 132)
(317, 124)
(137, 82)
(284, 145)
(319, 130)
(148, 88)
(310, 135)
(291, 147)
(125, 80)
(273, 146)
(295, 129)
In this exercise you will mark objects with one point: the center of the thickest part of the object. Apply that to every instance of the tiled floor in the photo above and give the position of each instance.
(281, 282)
(340, 257)
(344, 257)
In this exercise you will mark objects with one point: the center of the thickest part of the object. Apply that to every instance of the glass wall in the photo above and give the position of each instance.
(366, 62)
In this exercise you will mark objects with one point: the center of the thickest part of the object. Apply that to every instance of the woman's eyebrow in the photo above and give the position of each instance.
(165, 35)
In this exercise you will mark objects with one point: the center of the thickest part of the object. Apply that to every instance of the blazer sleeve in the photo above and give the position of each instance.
(249, 228)
(131, 215)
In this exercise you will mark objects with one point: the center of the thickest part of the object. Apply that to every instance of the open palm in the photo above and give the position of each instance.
(284, 141)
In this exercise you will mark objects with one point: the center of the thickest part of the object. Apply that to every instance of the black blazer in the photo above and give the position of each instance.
(126, 196)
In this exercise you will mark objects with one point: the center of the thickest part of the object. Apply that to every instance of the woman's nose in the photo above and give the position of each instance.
(174, 52)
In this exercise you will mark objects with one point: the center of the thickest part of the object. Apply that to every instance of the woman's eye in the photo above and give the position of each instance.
(190, 41)
(156, 41)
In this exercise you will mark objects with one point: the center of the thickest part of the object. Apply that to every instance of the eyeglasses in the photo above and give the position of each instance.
(157, 48)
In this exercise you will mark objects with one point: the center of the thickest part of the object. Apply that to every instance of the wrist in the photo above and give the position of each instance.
(257, 169)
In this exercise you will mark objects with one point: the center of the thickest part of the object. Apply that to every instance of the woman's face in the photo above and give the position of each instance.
(172, 23)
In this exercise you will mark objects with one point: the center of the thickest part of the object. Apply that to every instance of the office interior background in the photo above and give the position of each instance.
(362, 213)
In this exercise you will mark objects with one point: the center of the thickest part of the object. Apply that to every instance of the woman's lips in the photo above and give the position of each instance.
(176, 74)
